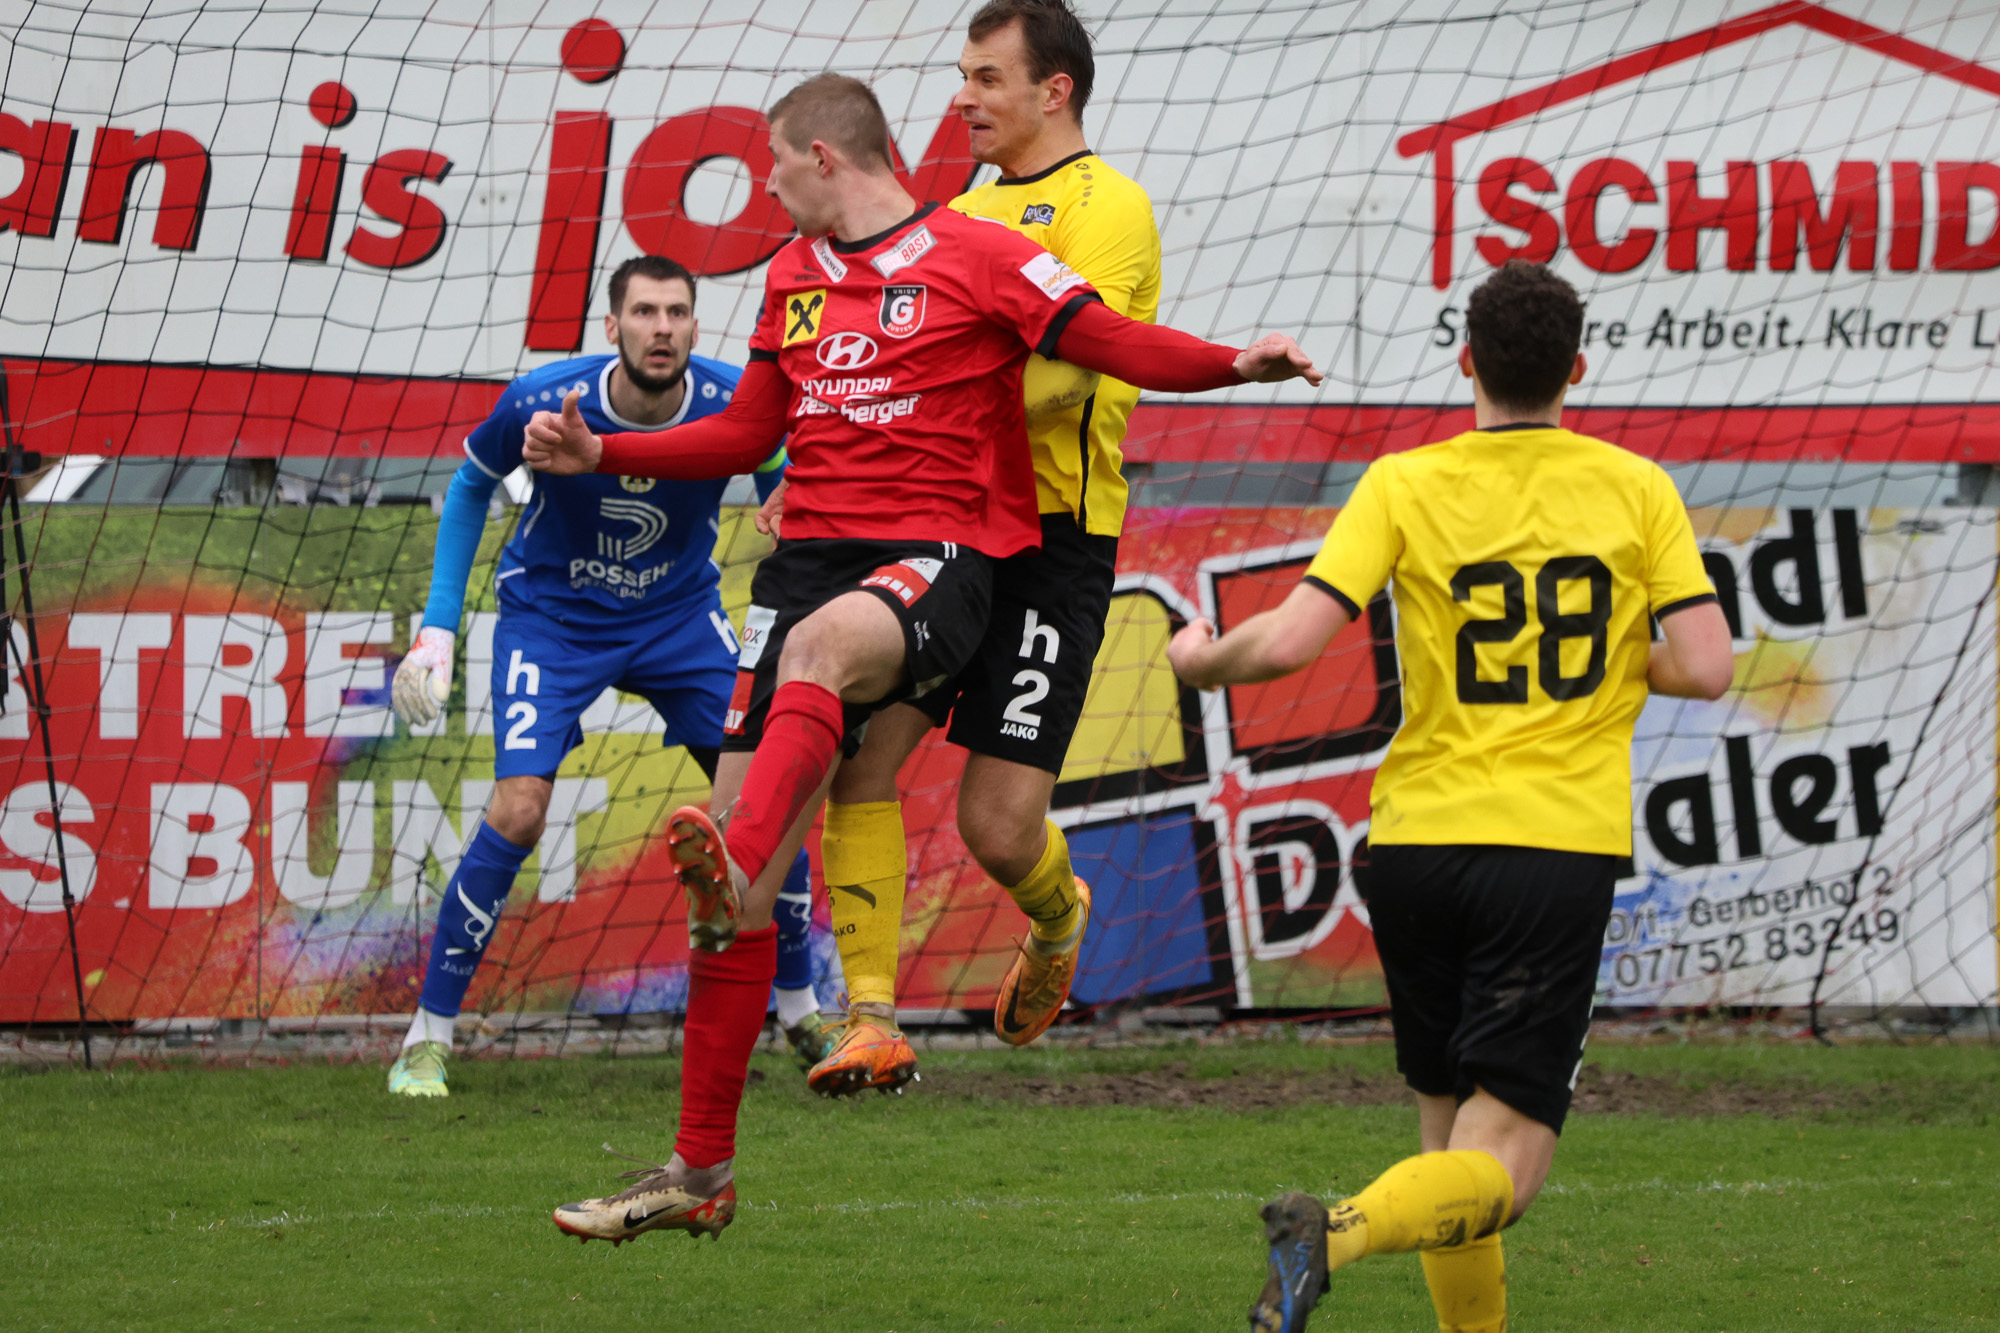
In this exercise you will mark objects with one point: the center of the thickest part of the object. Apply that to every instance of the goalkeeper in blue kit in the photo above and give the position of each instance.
(607, 582)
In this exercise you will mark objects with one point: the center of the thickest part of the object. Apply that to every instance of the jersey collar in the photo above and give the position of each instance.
(1514, 425)
(604, 398)
(870, 242)
(1046, 172)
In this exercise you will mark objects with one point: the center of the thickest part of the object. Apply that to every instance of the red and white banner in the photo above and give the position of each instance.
(290, 232)
(1784, 218)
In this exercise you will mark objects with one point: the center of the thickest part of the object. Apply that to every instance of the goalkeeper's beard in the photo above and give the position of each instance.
(651, 385)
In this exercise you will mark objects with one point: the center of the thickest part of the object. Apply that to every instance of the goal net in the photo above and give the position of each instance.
(267, 264)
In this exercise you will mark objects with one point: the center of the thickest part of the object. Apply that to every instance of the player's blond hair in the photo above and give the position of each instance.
(839, 111)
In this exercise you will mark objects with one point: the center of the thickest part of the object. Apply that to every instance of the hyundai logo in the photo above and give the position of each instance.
(846, 351)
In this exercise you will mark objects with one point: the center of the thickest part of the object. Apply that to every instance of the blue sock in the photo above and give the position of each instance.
(793, 917)
(472, 904)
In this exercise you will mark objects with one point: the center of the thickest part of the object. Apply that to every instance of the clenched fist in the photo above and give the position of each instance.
(560, 443)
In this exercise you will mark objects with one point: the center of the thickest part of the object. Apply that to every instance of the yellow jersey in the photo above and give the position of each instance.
(1100, 223)
(1526, 562)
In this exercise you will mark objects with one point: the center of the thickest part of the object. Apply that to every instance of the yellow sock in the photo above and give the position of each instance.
(863, 857)
(1436, 1200)
(1469, 1286)
(1048, 894)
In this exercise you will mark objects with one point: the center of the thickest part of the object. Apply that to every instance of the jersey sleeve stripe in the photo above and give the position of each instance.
(1684, 603)
(1053, 334)
(1352, 607)
(474, 459)
(761, 354)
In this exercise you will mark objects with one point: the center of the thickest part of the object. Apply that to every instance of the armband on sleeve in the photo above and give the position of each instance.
(767, 477)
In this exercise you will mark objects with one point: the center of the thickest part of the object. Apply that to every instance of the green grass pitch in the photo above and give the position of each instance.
(1863, 1197)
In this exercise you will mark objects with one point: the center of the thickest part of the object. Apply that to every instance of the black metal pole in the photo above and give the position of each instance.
(10, 484)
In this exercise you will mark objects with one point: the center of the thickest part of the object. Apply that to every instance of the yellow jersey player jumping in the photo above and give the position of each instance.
(1028, 70)
(1527, 563)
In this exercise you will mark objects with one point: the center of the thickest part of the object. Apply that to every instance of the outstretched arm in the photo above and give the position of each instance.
(1169, 361)
(1270, 644)
(732, 442)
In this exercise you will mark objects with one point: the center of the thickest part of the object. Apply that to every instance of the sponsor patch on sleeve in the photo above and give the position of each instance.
(1051, 275)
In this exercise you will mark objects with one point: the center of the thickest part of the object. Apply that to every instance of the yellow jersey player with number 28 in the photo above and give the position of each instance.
(1028, 69)
(1529, 563)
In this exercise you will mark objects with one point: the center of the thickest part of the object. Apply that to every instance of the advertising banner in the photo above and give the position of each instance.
(1784, 217)
(1824, 831)
(250, 833)
(288, 234)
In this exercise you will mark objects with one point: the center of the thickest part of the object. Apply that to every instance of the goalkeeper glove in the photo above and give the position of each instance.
(423, 681)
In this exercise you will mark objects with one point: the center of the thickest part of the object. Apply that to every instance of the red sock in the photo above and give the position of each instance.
(801, 737)
(728, 993)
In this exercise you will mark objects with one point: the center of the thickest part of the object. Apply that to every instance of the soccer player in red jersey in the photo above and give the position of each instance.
(890, 345)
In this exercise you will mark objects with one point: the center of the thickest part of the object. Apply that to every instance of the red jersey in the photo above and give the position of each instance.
(905, 351)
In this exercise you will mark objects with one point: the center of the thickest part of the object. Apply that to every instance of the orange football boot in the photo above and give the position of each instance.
(869, 1051)
(1037, 986)
(714, 898)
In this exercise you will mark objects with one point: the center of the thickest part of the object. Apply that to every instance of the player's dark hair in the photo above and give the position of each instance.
(1524, 325)
(837, 110)
(657, 267)
(1056, 39)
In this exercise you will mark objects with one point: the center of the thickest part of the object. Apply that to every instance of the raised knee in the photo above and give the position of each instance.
(1005, 845)
(804, 647)
(809, 655)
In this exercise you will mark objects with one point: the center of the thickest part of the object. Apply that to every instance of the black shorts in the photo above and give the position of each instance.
(1491, 955)
(1022, 694)
(939, 591)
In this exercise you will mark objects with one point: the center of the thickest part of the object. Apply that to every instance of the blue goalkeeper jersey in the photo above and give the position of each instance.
(591, 549)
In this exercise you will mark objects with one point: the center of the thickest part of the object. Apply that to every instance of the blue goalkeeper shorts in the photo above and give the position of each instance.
(546, 674)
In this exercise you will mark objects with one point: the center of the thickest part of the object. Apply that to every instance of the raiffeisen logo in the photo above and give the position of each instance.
(1729, 150)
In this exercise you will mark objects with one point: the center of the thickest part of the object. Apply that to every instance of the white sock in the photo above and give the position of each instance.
(794, 1005)
(427, 1026)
